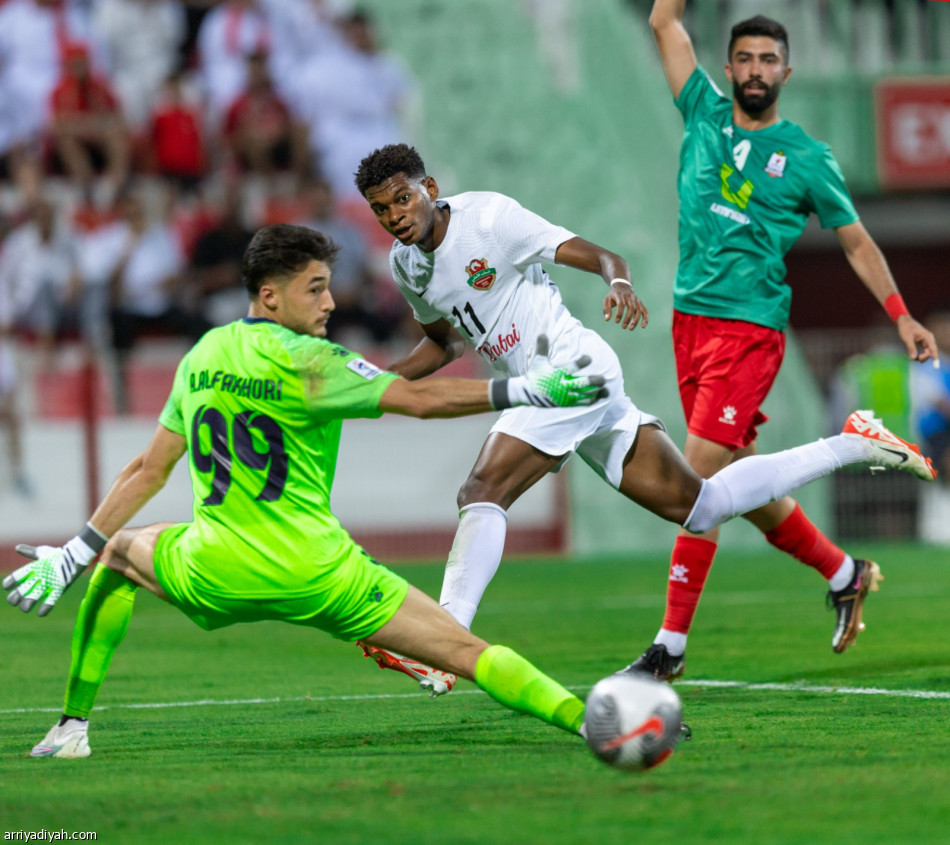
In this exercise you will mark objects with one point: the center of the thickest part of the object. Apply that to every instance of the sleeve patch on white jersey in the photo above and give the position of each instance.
(364, 369)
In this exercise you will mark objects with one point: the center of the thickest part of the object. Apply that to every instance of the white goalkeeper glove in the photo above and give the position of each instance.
(51, 570)
(547, 386)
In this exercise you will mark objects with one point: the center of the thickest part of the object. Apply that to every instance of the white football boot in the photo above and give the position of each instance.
(885, 450)
(70, 739)
(433, 681)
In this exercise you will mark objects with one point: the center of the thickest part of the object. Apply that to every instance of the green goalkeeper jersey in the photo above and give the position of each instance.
(261, 408)
(745, 198)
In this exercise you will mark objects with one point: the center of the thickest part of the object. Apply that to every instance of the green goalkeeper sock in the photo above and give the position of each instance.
(510, 679)
(101, 624)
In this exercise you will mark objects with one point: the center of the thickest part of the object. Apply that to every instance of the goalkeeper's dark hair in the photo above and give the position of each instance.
(384, 163)
(759, 25)
(282, 251)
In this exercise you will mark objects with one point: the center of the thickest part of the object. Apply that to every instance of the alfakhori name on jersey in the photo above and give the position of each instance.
(255, 388)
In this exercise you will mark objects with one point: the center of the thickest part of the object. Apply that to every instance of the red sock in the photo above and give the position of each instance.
(800, 537)
(690, 563)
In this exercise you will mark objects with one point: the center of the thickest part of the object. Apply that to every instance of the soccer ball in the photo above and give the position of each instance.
(632, 722)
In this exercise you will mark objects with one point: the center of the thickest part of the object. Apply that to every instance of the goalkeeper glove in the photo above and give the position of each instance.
(51, 570)
(547, 386)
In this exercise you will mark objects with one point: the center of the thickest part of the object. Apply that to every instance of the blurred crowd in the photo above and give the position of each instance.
(182, 90)
(141, 144)
(142, 141)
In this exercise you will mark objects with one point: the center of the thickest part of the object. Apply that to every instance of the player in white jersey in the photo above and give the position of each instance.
(470, 267)
(486, 280)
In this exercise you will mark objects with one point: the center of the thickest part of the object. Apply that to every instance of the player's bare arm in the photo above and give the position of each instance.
(621, 303)
(441, 345)
(437, 397)
(674, 43)
(869, 263)
(52, 569)
(139, 481)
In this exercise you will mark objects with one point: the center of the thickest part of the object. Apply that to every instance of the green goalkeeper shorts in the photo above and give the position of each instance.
(353, 600)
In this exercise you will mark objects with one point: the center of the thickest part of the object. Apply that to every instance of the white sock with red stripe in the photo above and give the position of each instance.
(843, 576)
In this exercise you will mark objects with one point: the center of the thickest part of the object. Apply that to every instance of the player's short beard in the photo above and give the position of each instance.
(755, 106)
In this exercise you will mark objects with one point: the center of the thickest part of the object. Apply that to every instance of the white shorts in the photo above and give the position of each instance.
(602, 433)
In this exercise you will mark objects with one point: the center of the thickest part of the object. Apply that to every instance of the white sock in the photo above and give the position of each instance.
(757, 480)
(674, 641)
(473, 561)
(848, 450)
(843, 576)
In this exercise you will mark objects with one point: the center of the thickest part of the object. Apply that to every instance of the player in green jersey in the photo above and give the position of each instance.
(257, 406)
(748, 181)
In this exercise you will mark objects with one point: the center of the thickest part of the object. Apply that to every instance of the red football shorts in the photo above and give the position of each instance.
(725, 369)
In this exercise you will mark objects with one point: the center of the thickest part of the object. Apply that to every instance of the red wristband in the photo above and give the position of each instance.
(894, 305)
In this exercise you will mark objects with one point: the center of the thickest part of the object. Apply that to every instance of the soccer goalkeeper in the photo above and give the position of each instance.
(258, 406)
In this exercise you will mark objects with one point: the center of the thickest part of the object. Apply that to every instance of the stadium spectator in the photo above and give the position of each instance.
(504, 304)
(353, 99)
(145, 285)
(930, 399)
(195, 13)
(358, 306)
(748, 182)
(878, 377)
(34, 38)
(11, 424)
(88, 132)
(176, 136)
(215, 265)
(300, 29)
(229, 33)
(100, 244)
(142, 39)
(38, 276)
(279, 554)
(259, 131)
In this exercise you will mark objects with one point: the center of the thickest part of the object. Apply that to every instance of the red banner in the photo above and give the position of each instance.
(913, 132)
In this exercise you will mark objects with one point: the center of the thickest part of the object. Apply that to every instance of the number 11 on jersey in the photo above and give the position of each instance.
(471, 313)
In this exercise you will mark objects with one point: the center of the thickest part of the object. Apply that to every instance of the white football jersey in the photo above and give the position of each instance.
(486, 279)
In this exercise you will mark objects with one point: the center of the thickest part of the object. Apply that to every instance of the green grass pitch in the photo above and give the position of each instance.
(279, 734)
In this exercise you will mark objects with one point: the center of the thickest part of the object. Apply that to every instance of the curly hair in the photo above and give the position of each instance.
(759, 25)
(385, 163)
(281, 251)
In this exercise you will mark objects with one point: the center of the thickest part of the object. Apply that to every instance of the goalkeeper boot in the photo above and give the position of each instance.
(433, 681)
(848, 603)
(885, 449)
(657, 662)
(69, 737)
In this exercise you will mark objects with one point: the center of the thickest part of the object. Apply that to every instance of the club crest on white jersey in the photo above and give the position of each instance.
(503, 300)
(480, 275)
